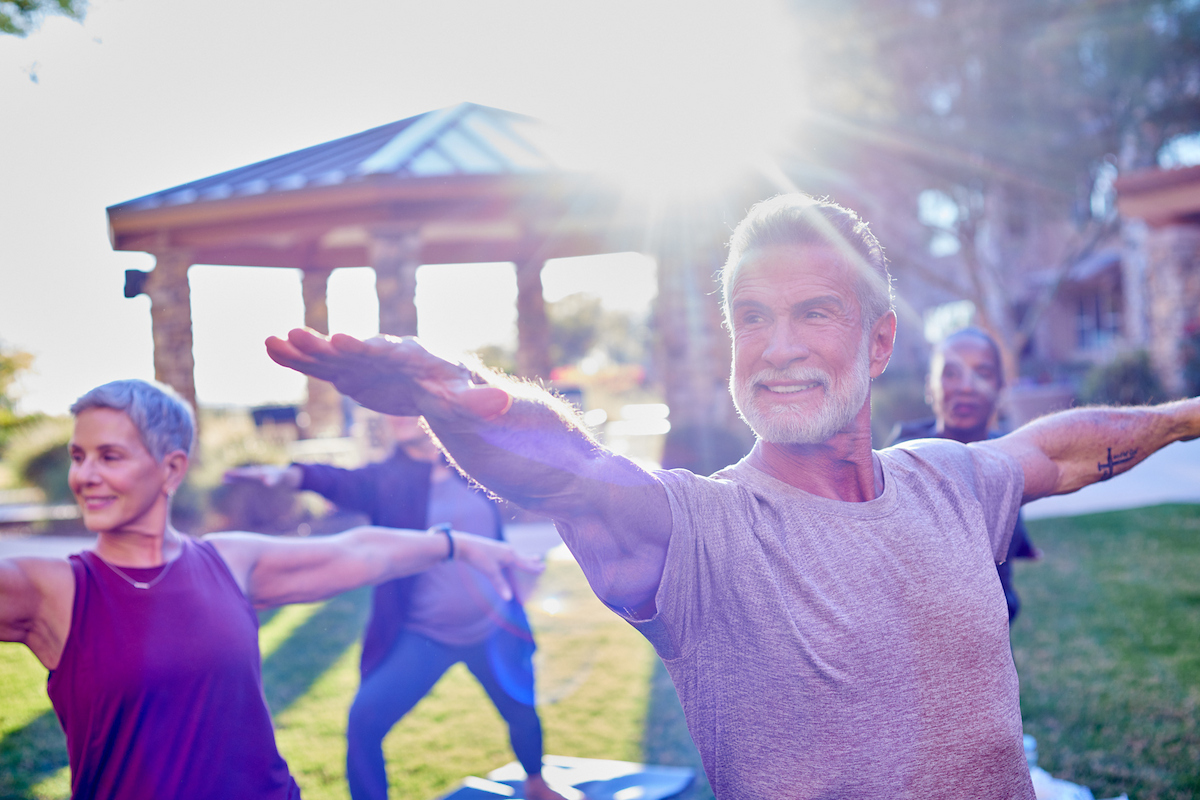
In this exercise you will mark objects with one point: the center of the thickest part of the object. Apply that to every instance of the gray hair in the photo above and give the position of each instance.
(800, 219)
(163, 419)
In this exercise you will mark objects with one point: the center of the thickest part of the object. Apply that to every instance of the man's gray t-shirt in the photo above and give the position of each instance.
(825, 649)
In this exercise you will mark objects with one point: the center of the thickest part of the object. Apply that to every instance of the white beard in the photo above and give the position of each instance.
(784, 425)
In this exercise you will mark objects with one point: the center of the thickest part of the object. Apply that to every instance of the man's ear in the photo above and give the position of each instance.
(881, 343)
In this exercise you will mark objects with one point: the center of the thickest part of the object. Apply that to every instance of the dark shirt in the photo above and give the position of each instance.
(393, 493)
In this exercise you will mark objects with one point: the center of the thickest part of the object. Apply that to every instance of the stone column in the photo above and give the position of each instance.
(324, 403)
(171, 322)
(395, 256)
(693, 350)
(1172, 257)
(1134, 233)
(533, 327)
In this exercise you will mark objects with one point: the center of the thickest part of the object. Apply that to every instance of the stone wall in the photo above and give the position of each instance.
(1172, 297)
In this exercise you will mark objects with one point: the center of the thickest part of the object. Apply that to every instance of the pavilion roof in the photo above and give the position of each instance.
(466, 139)
(480, 182)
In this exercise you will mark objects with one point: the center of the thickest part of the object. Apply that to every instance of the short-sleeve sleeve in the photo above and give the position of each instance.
(698, 508)
(999, 483)
(987, 476)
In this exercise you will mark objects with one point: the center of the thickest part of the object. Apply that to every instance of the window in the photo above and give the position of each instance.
(1097, 320)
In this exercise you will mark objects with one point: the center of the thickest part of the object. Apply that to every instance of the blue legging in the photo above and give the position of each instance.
(410, 670)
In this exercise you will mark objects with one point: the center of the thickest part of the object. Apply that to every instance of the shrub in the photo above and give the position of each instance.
(1191, 365)
(1128, 380)
(48, 471)
(896, 397)
(252, 507)
(228, 438)
(38, 456)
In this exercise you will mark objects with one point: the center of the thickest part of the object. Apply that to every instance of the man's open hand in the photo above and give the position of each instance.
(393, 375)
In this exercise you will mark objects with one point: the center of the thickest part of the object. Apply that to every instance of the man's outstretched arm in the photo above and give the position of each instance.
(518, 441)
(1064, 452)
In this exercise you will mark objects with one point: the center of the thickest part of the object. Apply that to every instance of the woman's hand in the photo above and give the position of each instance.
(496, 560)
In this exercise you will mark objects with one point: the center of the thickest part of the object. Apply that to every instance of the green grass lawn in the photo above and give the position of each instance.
(1107, 646)
(1108, 650)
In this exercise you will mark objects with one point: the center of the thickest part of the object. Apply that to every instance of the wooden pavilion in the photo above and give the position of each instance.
(462, 184)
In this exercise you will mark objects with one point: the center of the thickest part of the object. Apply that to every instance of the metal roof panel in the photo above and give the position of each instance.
(430, 161)
(470, 155)
(321, 164)
(402, 148)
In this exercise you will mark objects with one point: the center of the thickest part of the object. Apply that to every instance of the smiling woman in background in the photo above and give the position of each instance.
(151, 637)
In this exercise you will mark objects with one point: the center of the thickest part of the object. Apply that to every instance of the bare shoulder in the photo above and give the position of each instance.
(36, 597)
(238, 549)
(47, 576)
(234, 541)
(55, 583)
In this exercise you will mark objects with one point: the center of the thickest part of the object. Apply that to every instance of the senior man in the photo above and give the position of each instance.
(830, 615)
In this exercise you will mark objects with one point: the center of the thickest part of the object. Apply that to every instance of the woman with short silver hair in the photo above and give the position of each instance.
(150, 636)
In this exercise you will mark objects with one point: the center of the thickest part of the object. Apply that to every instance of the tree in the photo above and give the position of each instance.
(12, 364)
(982, 138)
(20, 17)
(580, 326)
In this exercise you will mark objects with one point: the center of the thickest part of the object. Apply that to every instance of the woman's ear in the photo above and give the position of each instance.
(175, 467)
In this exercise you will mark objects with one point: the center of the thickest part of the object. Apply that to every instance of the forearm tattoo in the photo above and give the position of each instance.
(1107, 468)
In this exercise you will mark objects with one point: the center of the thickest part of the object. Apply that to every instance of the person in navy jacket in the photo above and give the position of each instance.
(422, 625)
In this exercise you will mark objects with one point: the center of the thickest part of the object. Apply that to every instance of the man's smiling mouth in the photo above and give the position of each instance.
(792, 388)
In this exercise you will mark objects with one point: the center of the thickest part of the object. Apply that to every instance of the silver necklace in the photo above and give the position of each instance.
(144, 584)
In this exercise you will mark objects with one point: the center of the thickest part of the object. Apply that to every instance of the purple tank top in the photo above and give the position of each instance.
(159, 690)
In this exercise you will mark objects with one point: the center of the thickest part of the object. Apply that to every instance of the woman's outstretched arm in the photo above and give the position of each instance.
(274, 571)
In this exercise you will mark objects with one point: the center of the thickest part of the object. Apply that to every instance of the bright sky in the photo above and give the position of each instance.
(147, 94)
